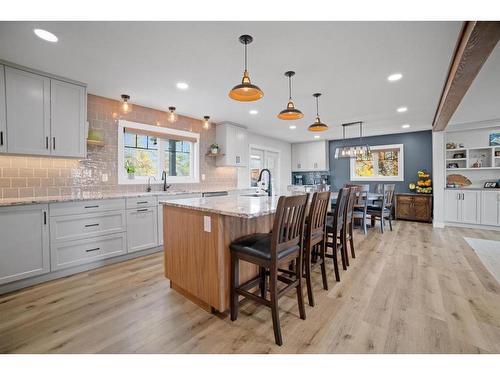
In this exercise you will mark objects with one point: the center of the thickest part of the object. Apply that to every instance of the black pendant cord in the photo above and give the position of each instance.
(317, 106)
(290, 87)
(245, 56)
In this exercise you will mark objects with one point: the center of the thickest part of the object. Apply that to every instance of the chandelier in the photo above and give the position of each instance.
(361, 150)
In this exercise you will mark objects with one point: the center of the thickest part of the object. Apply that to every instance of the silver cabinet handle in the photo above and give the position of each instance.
(94, 249)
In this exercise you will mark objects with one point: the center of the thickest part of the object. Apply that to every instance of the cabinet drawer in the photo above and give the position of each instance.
(138, 202)
(84, 207)
(74, 253)
(404, 199)
(75, 227)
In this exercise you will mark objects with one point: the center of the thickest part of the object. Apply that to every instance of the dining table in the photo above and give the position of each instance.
(371, 197)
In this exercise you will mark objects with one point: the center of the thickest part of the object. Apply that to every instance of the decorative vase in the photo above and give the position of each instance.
(131, 176)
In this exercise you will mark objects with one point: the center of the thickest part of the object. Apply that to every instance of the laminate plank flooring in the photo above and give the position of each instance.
(414, 290)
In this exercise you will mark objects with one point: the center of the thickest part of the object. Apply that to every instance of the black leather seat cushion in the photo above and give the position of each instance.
(259, 245)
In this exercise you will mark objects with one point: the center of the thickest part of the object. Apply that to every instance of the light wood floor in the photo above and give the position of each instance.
(414, 290)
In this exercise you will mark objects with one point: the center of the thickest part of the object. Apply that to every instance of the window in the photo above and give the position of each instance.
(386, 163)
(146, 151)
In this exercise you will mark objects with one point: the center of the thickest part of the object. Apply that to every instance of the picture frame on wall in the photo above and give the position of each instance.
(495, 139)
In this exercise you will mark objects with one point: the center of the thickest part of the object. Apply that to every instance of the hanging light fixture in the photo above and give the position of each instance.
(206, 124)
(246, 92)
(317, 126)
(354, 151)
(290, 112)
(172, 116)
(126, 106)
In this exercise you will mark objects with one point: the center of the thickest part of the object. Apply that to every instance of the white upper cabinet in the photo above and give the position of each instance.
(311, 156)
(45, 115)
(233, 142)
(67, 126)
(28, 112)
(3, 118)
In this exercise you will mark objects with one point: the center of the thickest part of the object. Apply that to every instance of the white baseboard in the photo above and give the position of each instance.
(472, 226)
(435, 224)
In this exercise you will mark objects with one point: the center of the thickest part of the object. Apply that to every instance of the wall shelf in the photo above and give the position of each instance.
(93, 142)
(214, 155)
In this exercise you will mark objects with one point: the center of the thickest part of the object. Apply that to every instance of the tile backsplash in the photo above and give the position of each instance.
(32, 176)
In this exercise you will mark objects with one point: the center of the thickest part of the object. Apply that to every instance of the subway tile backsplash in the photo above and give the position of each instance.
(32, 176)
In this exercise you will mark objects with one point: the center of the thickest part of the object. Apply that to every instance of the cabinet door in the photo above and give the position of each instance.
(470, 207)
(296, 165)
(67, 125)
(242, 147)
(317, 156)
(24, 250)
(142, 229)
(3, 118)
(404, 207)
(422, 208)
(451, 204)
(28, 112)
(490, 204)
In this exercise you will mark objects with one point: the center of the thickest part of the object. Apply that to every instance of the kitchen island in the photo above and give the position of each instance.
(197, 233)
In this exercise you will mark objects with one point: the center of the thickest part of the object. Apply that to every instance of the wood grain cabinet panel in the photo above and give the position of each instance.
(414, 207)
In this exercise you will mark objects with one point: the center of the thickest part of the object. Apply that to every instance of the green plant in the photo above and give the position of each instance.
(130, 167)
(214, 145)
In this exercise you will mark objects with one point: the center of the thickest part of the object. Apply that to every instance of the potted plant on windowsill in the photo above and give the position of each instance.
(130, 167)
(214, 148)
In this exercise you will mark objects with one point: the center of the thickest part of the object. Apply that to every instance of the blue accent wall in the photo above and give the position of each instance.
(417, 156)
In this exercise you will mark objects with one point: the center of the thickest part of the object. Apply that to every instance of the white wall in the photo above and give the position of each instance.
(439, 183)
(285, 150)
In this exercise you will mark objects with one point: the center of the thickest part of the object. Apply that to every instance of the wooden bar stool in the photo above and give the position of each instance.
(347, 236)
(270, 251)
(315, 238)
(334, 227)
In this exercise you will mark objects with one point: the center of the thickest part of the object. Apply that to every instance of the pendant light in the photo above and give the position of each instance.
(317, 126)
(290, 112)
(126, 106)
(206, 124)
(172, 116)
(354, 151)
(246, 92)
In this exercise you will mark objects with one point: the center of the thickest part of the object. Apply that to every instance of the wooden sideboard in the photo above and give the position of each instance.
(414, 207)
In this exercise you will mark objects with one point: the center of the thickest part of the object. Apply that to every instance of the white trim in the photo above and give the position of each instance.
(401, 162)
(195, 155)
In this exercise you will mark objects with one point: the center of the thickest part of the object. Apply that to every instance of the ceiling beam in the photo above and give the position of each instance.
(476, 42)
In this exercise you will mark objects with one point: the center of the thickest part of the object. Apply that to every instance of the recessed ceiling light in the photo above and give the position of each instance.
(45, 35)
(292, 127)
(253, 112)
(316, 137)
(394, 77)
(402, 109)
(405, 126)
(182, 85)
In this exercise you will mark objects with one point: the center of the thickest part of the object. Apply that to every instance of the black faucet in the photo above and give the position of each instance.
(164, 179)
(269, 189)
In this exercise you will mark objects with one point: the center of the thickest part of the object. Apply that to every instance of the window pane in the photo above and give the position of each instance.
(129, 140)
(152, 143)
(177, 158)
(144, 161)
(142, 141)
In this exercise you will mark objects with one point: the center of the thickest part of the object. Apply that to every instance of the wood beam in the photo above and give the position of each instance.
(476, 42)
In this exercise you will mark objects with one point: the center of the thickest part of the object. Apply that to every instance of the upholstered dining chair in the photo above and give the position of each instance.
(384, 212)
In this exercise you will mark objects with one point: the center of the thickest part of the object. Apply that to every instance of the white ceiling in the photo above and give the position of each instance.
(347, 61)
(482, 100)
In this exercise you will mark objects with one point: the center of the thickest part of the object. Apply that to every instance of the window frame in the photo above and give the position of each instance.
(399, 177)
(194, 176)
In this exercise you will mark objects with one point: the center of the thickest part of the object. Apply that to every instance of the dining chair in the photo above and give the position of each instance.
(315, 239)
(385, 210)
(361, 209)
(271, 251)
(347, 234)
(334, 226)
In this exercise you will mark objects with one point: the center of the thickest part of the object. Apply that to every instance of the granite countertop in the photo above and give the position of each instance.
(97, 196)
(238, 206)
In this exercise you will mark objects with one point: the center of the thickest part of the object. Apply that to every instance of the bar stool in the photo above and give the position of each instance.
(270, 251)
(334, 227)
(348, 223)
(315, 238)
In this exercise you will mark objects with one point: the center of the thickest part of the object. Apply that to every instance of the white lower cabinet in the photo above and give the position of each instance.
(142, 229)
(462, 206)
(74, 253)
(24, 236)
(490, 208)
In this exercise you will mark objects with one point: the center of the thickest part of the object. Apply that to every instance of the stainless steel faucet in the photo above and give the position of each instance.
(148, 189)
(164, 179)
(269, 189)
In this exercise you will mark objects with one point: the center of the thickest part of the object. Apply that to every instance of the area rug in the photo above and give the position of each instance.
(489, 253)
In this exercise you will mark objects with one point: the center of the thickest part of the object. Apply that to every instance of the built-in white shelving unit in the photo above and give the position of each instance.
(467, 157)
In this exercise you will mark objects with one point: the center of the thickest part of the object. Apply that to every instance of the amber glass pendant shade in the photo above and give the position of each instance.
(317, 126)
(246, 91)
(290, 112)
